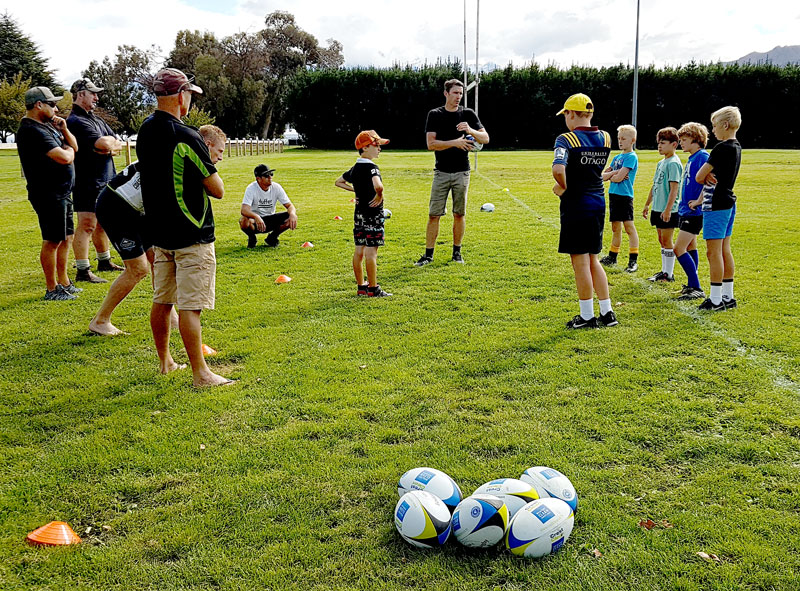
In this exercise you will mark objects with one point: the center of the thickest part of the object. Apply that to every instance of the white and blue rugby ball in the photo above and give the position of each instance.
(433, 481)
(476, 146)
(540, 528)
(480, 521)
(551, 483)
(422, 519)
(514, 493)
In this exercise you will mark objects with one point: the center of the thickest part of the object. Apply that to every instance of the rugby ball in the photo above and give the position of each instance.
(514, 493)
(433, 481)
(480, 521)
(540, 528)
(476, 147)
(489, 207)
(387, 213)
(422, 519)
(551, 483)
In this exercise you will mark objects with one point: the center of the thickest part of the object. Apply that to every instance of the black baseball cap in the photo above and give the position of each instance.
(263, 170)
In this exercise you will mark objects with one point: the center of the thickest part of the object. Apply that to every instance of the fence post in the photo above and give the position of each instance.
(127, 152)
(228, 145)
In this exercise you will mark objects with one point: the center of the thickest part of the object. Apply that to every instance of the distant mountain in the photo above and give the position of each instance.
(779, 56)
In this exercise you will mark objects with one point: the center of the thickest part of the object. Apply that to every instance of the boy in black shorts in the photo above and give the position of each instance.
(578, 163)
(364, 178)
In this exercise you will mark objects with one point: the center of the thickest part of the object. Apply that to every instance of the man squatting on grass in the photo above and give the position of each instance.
(120, 211)
(578, 163)
(445, 132)
(94, 167)
(258, 209)
(46, 151)
(178, 176)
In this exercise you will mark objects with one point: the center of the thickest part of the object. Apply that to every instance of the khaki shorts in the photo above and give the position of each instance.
(185, 277)
(443, 183)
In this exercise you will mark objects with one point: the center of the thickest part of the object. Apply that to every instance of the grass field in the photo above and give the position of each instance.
(287, 480)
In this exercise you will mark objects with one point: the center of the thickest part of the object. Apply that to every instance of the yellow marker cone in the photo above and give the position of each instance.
(208, 351)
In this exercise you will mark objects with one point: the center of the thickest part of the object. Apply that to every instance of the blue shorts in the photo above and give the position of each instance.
(718, 225)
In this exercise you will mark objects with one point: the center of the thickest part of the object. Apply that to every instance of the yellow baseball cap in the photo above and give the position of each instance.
(578, 102)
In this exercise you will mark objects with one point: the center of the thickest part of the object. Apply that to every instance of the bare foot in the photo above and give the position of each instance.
(171, 366)
(209, 378)
(104, 329)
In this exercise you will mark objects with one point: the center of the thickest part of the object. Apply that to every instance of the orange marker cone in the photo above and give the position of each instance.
(283, 279)
(208, 351)
(353, 200)
(307, 245)
(55, 533)
(338, 217)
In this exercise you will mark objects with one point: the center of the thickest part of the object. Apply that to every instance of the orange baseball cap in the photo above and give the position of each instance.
(365, 138)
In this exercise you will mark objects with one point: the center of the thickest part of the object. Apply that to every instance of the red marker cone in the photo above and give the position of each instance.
(353, 200)
(283, 279)
(208, 351)
(307, 245)
(338, 217)
(55, 533)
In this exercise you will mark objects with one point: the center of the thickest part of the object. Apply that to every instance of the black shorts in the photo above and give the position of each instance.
(693, 224)
(85, 201)
(581, 235)
(124, 225)
(55, 218)
(367, 231)
(655, 220)
(272, 222)
(620, 208)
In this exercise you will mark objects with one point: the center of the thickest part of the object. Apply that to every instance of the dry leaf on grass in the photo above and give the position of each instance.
(666, 524)
(596, 553)
(202, 446)
(709, 557)
(648, 524)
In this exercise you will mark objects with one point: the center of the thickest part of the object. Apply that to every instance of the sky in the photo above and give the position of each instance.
(72, 33)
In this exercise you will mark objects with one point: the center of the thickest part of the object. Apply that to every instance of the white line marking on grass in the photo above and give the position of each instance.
(771, 365)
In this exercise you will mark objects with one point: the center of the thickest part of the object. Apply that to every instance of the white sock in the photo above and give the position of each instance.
(716, 293)
(605, 306)
(82, 264)
(587, 308)
(727, 289)
(670, 261)
(663, 260)
(104, 256)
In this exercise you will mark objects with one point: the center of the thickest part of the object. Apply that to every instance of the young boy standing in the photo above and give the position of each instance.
(693, 138)
(719, 206)
(364, 178)
(622, 173)
(663, 195)
(578, 163)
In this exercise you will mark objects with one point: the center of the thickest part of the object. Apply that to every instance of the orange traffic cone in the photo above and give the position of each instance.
(283, 279)
(307, 245)
(208, 351)
(55, 533)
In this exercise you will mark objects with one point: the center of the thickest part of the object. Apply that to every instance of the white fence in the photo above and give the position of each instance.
(233, 147)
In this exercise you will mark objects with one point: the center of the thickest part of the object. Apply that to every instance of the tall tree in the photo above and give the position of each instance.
(12, 104)
(19, 54)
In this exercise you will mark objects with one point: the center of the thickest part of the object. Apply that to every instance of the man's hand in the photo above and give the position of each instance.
(261, 226)
(464, 126)
(59, 123)
(292, 221)
(463, 143)
(558, 189)
(711, 179)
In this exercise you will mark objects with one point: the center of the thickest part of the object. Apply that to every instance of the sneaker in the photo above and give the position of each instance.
(609, 261)
(362, 289)
(88, 276)
(579, 322)
(730, 304)
(59, 294)
(632, 267)
(710, 306)
(272, 243)
(377, 292)
(252, 240)
(691, 294)
(70, 288)
(423, 260)
(457, 258)
(108, 265)
(608, 319)
(686, 289)
(661, 276)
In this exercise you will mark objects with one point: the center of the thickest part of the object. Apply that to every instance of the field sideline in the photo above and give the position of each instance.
(287, 480)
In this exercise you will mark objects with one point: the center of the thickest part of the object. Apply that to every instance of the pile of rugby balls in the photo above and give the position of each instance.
(534, 514)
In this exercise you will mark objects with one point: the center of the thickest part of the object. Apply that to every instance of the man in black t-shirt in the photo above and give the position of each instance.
(446, 132)
(46, 151)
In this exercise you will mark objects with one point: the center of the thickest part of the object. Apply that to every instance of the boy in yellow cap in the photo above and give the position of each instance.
(578, 163)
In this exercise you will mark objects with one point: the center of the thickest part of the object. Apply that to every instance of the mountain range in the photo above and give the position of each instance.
(779, 56)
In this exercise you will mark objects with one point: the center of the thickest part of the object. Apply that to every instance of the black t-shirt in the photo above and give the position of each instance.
(725, 158)
(92, 170)
(443, 123)
(360, 176)
(47, 179)
(173, 161)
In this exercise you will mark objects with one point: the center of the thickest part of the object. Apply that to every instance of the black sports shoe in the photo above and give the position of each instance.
(377, 292)
(457, 258)
(70, 288)
(362, 289)
(423, 260)
(271, 242)
(690, 293)
(708, 305)
(108, 265)
(579, 322)
(632, 267)
(59, 294)
(661, 276)
(608, 319)
(730, 304)
(609, 261)
(252, 240)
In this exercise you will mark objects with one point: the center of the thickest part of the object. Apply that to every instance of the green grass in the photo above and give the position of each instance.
(673, 415)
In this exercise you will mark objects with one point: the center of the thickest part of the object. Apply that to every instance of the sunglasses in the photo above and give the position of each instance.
(50, 103)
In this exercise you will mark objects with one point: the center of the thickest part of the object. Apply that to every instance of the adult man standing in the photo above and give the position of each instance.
(94, 167)
(178, 176)
(258, 208)
(46, 151)
(446, 132)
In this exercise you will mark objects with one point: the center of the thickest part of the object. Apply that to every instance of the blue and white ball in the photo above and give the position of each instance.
(433, 481)
(551, 483)
(476, 146)
(487, 207)
(422, 519)
(480, 521)
(540, 528)
(514, 493)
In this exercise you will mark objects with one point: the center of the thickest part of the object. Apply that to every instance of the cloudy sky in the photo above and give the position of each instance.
(71, 33)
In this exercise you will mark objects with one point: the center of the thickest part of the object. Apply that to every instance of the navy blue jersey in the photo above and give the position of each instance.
(584, 152)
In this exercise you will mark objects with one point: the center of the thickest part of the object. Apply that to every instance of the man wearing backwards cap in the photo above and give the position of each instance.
(258, 208)
(178, 177)
(94, 167)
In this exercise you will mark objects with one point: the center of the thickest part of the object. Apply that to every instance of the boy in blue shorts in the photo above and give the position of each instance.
(622, 173)
(693, 138)
(578, 163)
(364, 178)
(664, 197)
(719, 206)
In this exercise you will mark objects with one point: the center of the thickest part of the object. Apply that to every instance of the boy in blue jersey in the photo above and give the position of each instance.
(718, 200)
(578, 163)
(622, 173)
(664, 197)
(693, 138)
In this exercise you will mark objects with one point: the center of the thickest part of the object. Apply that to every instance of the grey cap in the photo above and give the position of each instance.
(84, 84)
(39, 93)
